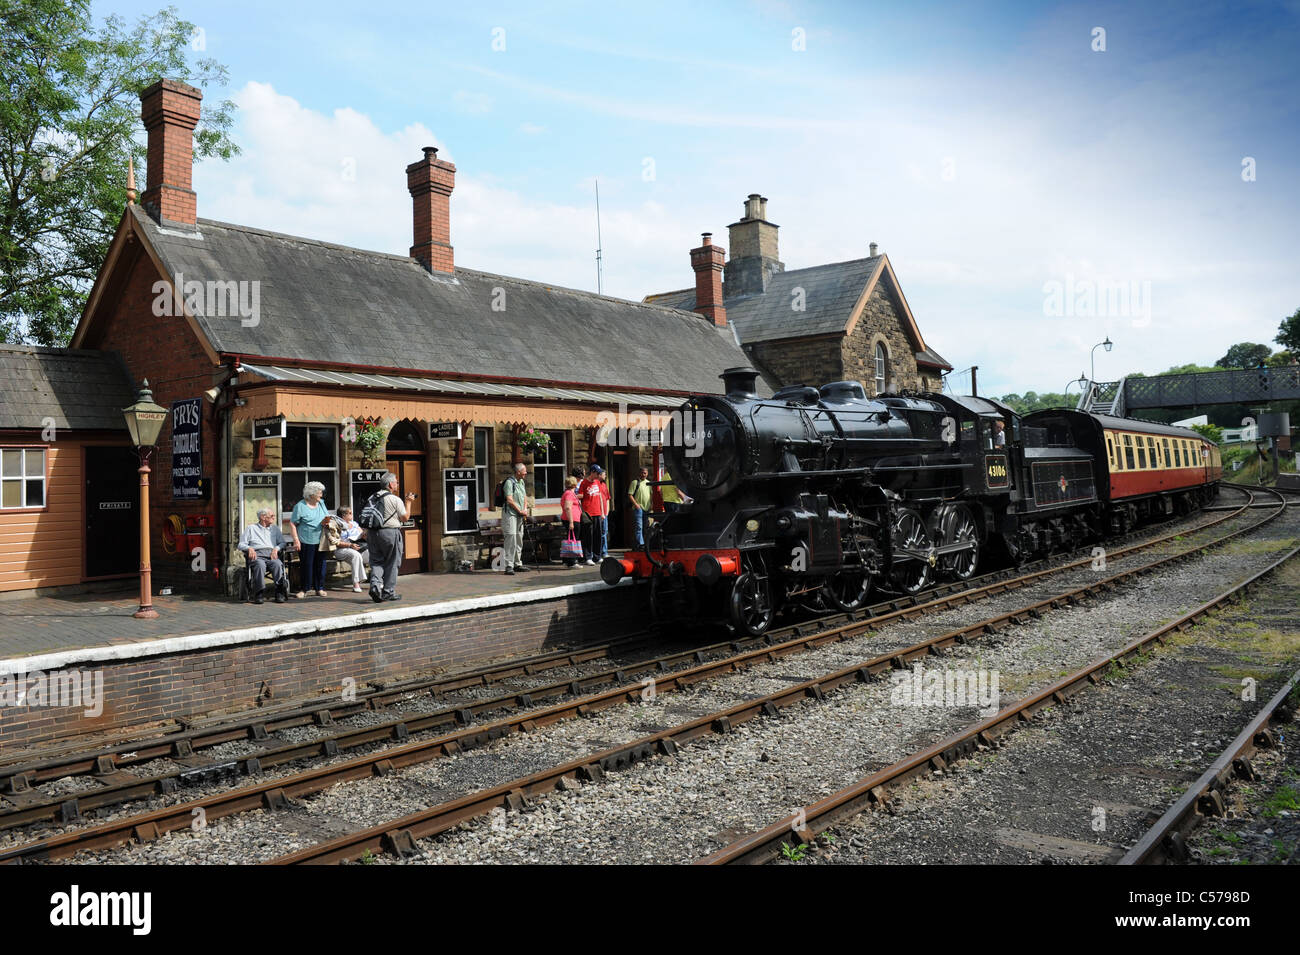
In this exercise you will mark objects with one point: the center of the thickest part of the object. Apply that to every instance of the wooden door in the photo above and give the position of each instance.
(112, 514)
(410, 475)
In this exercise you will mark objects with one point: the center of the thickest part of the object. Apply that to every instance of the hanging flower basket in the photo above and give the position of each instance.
(534, 441)
(370, 441)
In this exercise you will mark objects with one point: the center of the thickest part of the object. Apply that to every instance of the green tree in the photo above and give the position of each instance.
(1288, 333)
(69, 121)
(1281, 358)
(1244, 355)
(1210, 432)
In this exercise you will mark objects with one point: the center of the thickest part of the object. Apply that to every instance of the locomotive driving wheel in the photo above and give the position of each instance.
(751, 603)
(848, 590)
(957, 526)
(912, 573)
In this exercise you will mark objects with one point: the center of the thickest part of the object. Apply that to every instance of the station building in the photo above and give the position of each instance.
(278, 350)
(285, 359)
(832, 322)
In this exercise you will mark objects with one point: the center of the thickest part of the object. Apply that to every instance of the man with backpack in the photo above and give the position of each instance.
(382, 518)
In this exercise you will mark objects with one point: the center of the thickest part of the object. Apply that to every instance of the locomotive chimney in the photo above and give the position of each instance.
(739, 382)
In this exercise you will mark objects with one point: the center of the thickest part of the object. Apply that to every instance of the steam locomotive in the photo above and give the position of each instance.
(816, 497)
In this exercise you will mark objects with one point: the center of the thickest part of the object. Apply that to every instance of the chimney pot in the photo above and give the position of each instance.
(873, 249)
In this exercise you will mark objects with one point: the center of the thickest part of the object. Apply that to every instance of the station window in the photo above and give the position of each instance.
(549, 468)
(22, 477)
(882, 368)
(310, 453)
(483, 465)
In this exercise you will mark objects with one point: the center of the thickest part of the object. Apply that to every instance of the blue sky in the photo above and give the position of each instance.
(990, 151)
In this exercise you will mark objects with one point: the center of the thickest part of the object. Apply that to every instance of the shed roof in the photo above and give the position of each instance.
(76, 389)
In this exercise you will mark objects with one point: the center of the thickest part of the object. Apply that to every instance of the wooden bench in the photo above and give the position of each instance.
(542, 539)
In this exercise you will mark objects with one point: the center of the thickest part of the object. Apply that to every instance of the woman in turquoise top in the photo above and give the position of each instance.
(306, 523)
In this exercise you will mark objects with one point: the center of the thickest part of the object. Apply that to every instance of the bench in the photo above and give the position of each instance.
(542, 539)
(289, 555)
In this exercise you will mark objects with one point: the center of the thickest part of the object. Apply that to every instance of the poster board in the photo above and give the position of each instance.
(361, 484)
(187, 450)
(459, 501)
(257, 489)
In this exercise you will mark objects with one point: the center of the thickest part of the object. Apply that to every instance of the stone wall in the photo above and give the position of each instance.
(880, 322)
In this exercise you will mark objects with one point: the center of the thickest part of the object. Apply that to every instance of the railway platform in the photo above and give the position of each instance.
(206, 654)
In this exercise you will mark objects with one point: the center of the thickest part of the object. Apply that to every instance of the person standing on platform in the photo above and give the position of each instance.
(671, 496)
(594, 506)
(571, 511)
(638, 494)
(609, 507)
(386, 545)
(306, 523)
(514, 515)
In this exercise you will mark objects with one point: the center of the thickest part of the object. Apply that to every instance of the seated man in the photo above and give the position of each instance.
(351, 546)
(261, 544)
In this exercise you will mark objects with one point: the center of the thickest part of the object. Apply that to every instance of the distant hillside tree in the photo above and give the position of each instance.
(1245, 355)
(1288, 333)
(1211, 432)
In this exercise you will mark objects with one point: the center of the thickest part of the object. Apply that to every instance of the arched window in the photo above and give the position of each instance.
(405, 437)
(882, 368)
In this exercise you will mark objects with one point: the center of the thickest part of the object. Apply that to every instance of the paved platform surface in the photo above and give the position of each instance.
(42, 625)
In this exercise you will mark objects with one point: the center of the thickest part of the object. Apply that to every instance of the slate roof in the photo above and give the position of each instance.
(79, 389)
(830, 293)
(330, 303)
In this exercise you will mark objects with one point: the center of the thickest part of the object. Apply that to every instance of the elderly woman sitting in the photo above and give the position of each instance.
(351, 546)
(307, 522)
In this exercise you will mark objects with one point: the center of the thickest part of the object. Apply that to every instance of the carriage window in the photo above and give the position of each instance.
(1142, 452)
(1110, 452)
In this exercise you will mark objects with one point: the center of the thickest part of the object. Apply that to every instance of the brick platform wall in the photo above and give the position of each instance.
(155, 689)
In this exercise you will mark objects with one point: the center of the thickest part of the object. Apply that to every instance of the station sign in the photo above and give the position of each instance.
(443, 430)
(264, 428)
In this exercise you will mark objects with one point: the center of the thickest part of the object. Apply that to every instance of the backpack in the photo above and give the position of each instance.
(499, 499)
(372, 515)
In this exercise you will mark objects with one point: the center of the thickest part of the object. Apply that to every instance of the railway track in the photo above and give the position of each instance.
(1166, 839)
(277, 792)
(399, 836)
(109, 766)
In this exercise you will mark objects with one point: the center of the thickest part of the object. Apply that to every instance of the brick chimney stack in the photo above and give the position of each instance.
(430, 182)
(170, 110)
(708, 261)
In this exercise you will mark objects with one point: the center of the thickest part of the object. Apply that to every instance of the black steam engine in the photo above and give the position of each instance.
(815, 497)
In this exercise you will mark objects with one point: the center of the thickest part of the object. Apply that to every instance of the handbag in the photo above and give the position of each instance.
(571, 548)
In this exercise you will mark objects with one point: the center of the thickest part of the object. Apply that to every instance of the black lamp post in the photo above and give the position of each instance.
(144, 422)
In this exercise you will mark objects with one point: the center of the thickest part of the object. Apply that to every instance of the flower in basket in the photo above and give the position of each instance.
(370, 440)
(534, 441)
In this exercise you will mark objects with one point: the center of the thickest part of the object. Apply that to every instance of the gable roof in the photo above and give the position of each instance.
(330, 304)
(76, 389)
(833, 298)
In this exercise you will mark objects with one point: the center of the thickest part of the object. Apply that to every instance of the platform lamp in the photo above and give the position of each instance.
(144, 422)
(1092, 355)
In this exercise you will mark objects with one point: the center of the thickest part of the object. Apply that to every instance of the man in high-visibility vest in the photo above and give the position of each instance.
(638, 494)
